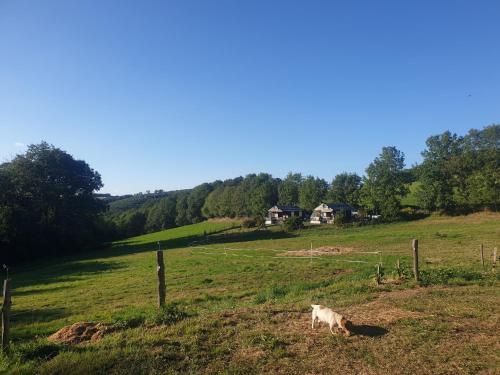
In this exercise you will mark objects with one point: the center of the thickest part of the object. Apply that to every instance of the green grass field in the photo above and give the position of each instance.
(237, 306)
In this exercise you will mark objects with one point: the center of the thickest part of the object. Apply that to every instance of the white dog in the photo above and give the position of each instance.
(324, 314)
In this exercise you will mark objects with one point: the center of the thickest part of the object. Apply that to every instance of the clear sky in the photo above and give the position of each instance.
(169, 94)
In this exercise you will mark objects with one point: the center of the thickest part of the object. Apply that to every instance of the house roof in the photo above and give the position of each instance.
(323, 208)
(333, 207)
(284, 208)
(340, 206)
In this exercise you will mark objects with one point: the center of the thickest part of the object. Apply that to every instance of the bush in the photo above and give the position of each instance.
(260, 222)
(167, 315)
(411, 213)
(293, 223)
(249, 223)
(343, 217)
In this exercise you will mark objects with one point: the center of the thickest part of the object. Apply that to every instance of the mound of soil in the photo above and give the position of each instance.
(80, 332)
(319, 251)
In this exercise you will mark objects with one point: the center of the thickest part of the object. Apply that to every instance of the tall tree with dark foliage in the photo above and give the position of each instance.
(47, 204)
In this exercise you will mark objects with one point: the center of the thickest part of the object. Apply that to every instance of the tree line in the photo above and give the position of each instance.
(457, 175)
(48, 203)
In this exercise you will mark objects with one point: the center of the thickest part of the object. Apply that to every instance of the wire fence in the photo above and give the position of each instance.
(198, 247)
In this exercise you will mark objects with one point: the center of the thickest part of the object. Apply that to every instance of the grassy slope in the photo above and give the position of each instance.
(250, 314)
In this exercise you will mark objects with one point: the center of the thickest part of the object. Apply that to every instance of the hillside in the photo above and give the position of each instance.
(247, 302)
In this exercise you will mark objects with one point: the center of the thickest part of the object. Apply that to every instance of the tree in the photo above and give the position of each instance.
(439, 170)
(384, 183)
(181, 208)
(263, 197)
(225, 207)
(47, 204)
(312, 192)
(481, 159)
(210, 207)
(288, 189)
(134, 224)
(293, 223)
(345, 188)
(162, 214)
(195, 201)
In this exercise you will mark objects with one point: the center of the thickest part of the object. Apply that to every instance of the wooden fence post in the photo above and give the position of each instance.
(415, 259)
(482, 255)
(378, 277)
(494, 259)
(311, 254)
(5, 314)
(398, 268)
(161, 278)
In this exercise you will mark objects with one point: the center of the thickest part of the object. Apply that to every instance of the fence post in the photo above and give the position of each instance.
(482, 255)
(398, 267)
(5, 314)
(494, 259)
(378, 278)
(311, 254)
(161, 278)
(415, 259)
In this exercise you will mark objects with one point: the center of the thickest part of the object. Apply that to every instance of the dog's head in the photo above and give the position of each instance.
(347, 325)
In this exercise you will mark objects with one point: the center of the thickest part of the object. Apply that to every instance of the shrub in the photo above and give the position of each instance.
(343, 217)
(293, 223)
(167, 315)
(249, 223)
(411, 213)
(260, 222)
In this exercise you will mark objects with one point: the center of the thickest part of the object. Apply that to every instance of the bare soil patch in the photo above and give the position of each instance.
(318, 251)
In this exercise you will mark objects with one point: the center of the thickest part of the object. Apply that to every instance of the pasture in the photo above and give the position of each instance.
(239, 305)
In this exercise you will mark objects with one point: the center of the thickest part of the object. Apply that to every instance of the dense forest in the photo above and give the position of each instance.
(49, 203)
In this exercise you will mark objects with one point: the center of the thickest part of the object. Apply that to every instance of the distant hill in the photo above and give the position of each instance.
(122, 203)
(128, 202)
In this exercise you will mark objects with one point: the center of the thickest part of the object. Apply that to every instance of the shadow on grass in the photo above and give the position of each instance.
(131, 247)
(28, 316)
(69, 269)
(39, 290)
(60, 273)
(366, 330)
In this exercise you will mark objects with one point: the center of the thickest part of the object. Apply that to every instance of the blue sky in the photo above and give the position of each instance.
(169, 94)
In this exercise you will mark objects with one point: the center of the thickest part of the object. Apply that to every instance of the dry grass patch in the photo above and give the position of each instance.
(318, 251)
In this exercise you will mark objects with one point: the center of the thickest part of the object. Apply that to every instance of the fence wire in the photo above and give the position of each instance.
(314, 254)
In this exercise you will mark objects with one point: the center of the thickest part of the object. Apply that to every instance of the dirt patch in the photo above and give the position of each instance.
(379, 312)
(80, 332)
(319, 251)
(382, 311)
